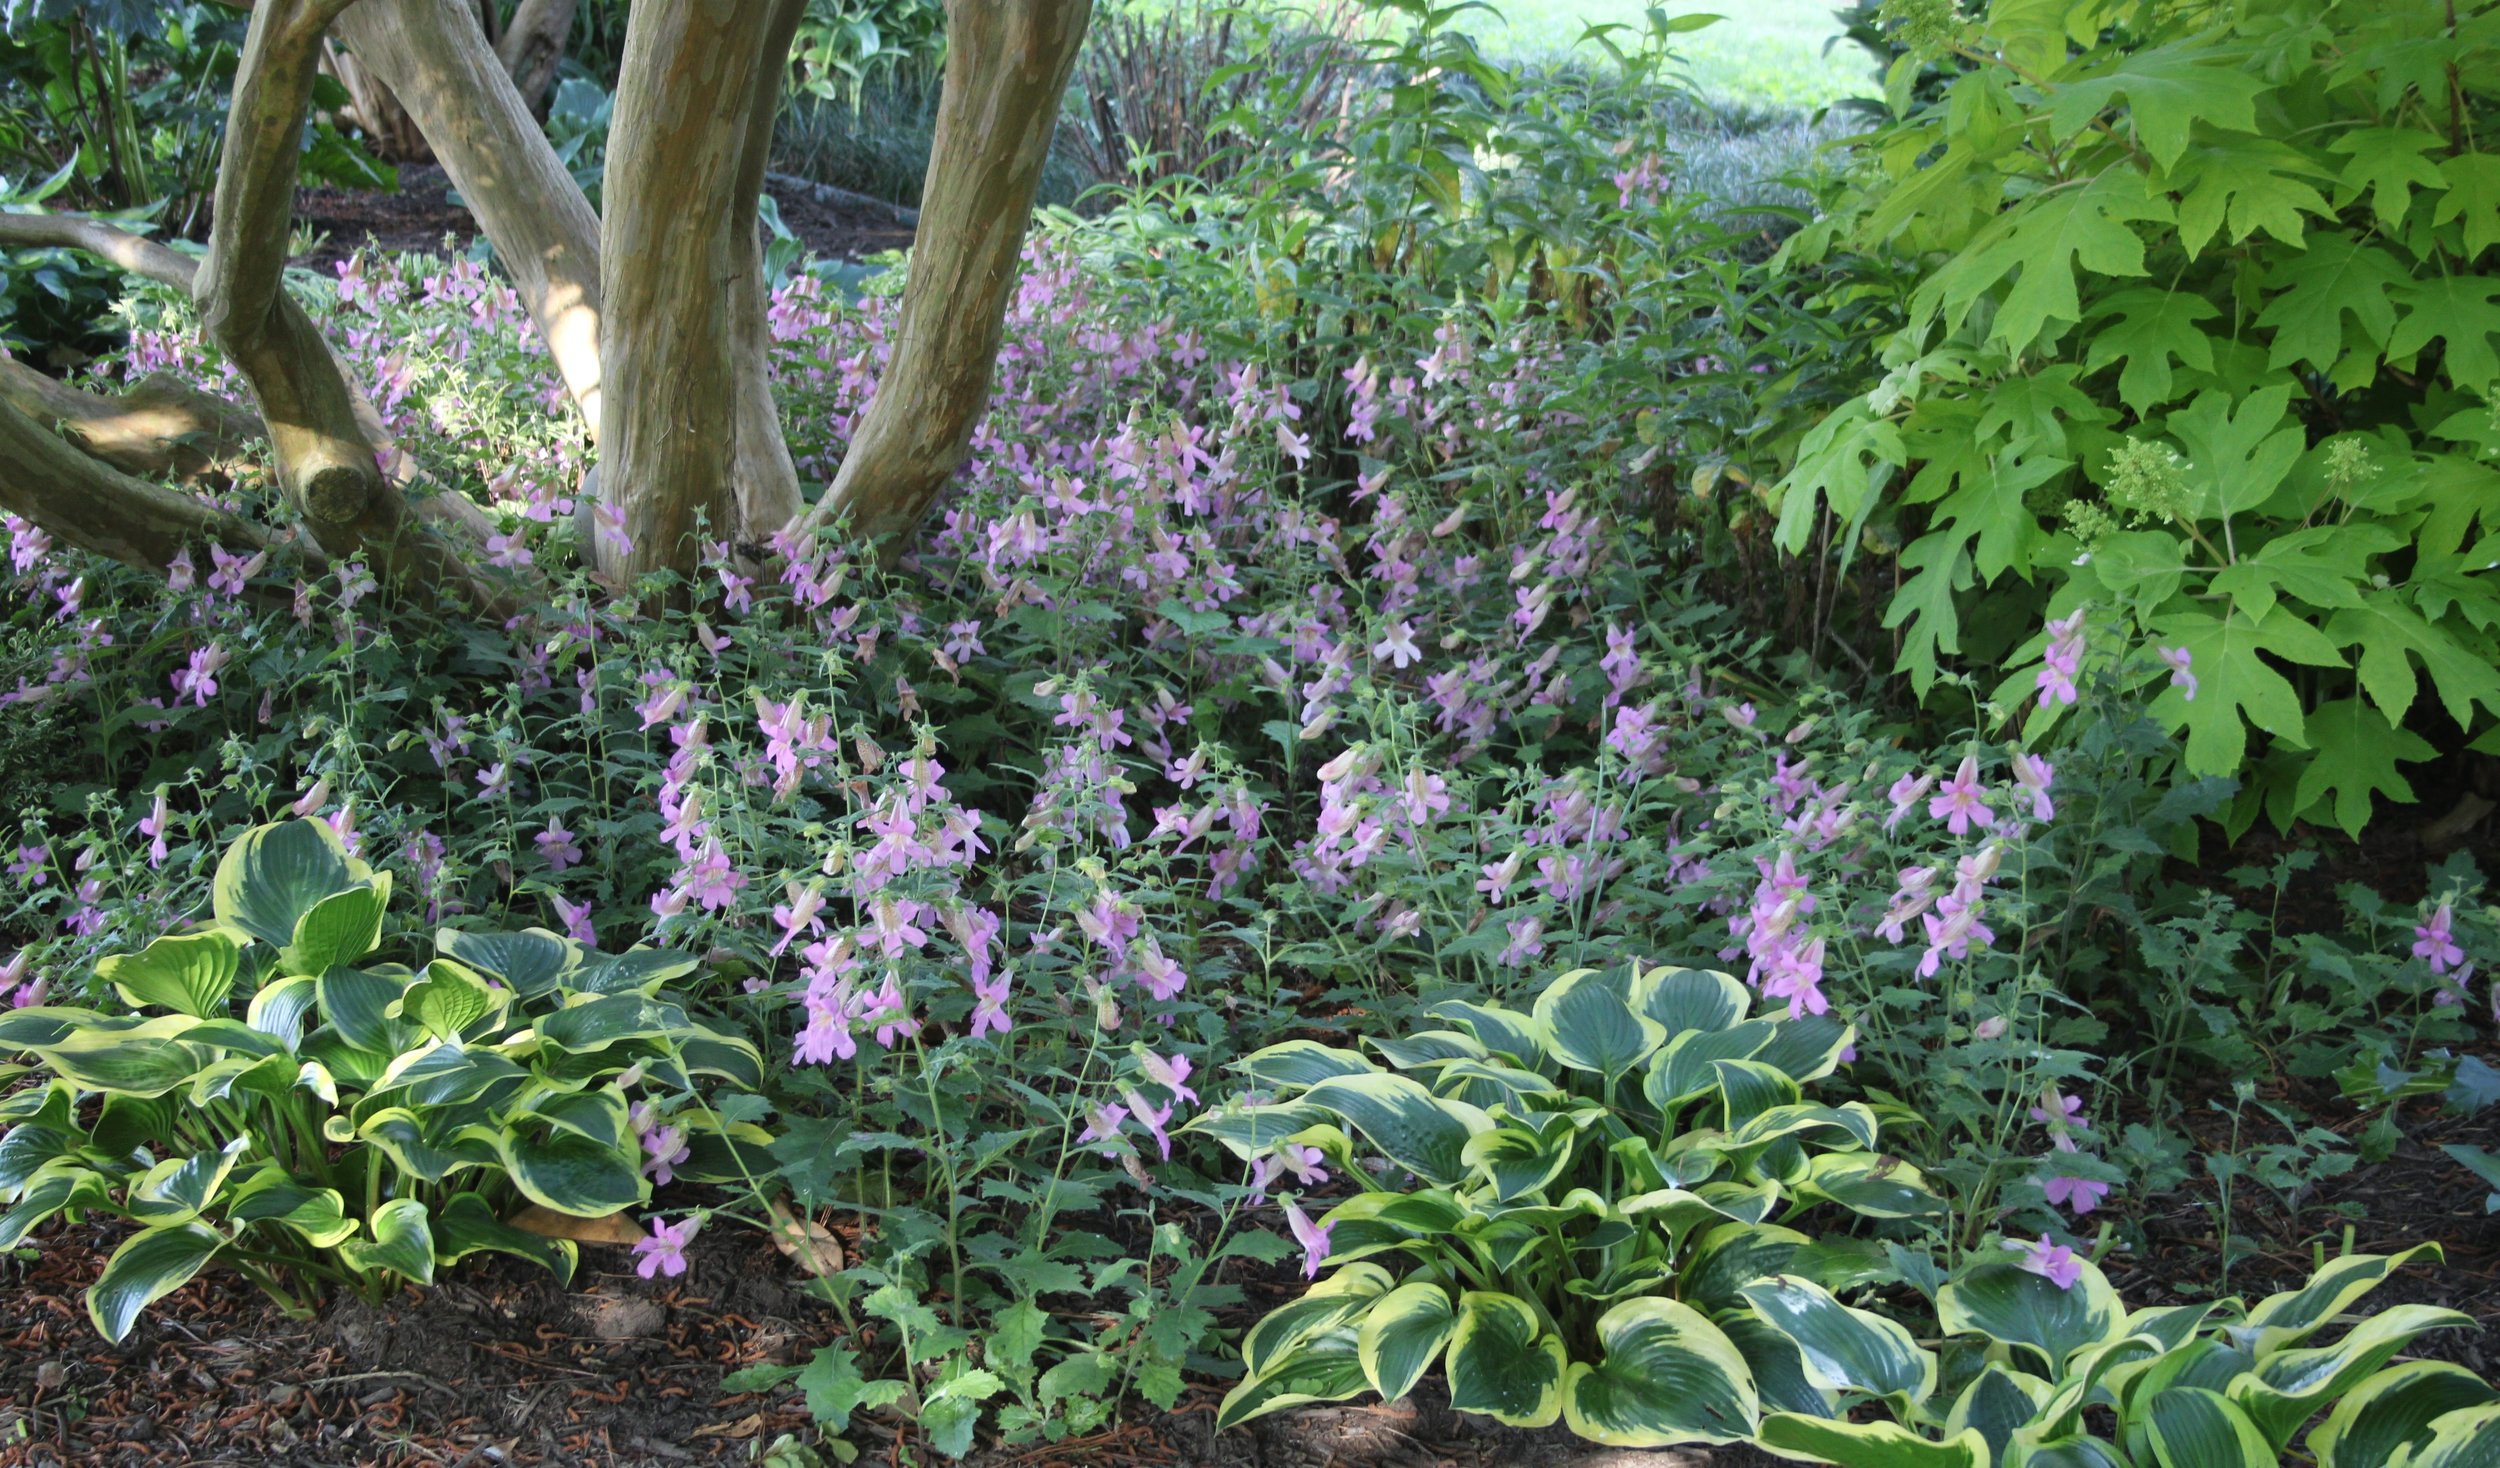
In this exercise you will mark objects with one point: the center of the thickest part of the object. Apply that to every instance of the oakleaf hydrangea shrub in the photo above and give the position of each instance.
(2192, 335)
(267, 1095)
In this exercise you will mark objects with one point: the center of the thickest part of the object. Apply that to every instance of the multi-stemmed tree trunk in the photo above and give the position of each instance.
(655, 316)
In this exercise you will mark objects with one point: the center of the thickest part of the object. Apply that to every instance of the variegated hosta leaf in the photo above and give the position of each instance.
(1687, 1000)
(2008, 1303)
(188, 973)
(2290, 1386)
(341, 928)
(1868, 1444)
(2393, 1411)
(1844, 1349)
(149, 1265)
(1667, 1376)
(1401, 1334)
(1423, 1133)
(1591, 1028)
(1503, 1362)
(402, 1243)
(2192, 1427)
(1295, 1064)
(2290, 1317)
(273, 875)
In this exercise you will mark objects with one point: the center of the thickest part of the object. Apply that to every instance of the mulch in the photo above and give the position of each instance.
(422, 216)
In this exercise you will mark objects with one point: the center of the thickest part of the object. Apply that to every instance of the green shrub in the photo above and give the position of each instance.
(1594, 1181)
(2199, 339)
(340, 1120)
(2055, 1371)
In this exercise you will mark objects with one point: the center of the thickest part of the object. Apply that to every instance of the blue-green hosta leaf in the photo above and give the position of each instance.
(1326, 1366)
(2006, 1302)
(1428, 1048)
(2392, 1411)
(1732, 1256)
(466, 1225)
(339, 929)
(2170, 1325)
(447, 1075)
(2195, 1428)
(1750, 1088)
(233, 1038)
(596, 1023)
(1295, 1064)
(188, 973)
(1844, 1349)
(28, 1148)
(1488, 1084)
(2291, 1386)
(1685, 999)
(181, 1188)
(360, 1005)
(1779, 1372)
(54, 1187)
(2288, 1318)
(146, 1059)
(1249, 1130)
(404, 1138)
(1853, 1119)
(1503, 1362)
(2072, 1451)
(1368, 1223)
(732, 1058)
(1501, 1031)
(1808, 1047)
(41, 1026)
(636, 970)
(1346, 1292)
(1423, 1133)
(317, 1215)
(1996, 1405)
(532, 963)
(568, 1173)
(1868, 1444)
(130, 1128)
(1685, 1068)
(278, 1008)
(2125, 1362)
(1592, 1029)
(1401, 1335)
(447, 1001)
(1667, 1376)
(150, 1265)
(402, 1243)
(2468, 1437)
(1523, 1157)
(599, 1116)
(273, 875)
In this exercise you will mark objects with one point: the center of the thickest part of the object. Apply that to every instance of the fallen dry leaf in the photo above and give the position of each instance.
(807, 1241)
(613, 1228)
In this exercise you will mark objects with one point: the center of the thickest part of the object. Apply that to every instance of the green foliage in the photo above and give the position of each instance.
(843, 45)
(1593, 1183)
(271, 1097)
(2043, 1373)
(2197, 336)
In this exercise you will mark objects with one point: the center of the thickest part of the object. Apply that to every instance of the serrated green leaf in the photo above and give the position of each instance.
(2167, 90)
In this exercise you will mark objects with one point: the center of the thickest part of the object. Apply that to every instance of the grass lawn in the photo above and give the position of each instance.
(1767, 52)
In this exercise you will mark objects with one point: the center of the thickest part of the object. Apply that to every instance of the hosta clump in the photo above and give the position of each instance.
(274, 1099)
(1593, 1183)
(2042, 1366)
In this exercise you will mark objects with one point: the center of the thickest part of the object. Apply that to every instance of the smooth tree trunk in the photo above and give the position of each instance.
(1007, 65)
(678, 254)
(86, 503)
(434, 57)
(158, 427)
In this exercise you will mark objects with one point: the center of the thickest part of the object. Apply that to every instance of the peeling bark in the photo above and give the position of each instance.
(158, 427)
(685, 407)
(1007, 65)
(435, 58)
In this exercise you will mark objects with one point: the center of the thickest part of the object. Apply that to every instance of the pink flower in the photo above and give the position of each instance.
(1171, 1074)
(576, 919)
(2435, 941)
(1152, 1118)
(2053, 1262)
(1398, 646)
(557, 845)
(990, 1011)
(2179, 659)
(1958, 803)
(664, 1147)
(2032, 775)
(1313, 1237)
(2081, 1194)
(664, 1251)
(153, 825)
(1102, 1124)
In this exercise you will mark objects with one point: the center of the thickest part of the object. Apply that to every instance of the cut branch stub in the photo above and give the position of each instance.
(1007, 65)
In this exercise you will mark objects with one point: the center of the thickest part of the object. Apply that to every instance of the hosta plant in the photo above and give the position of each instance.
(2042, 1367)
(273, 1098)
(1573, 1200)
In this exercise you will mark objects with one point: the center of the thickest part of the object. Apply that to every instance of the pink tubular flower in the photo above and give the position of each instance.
(989, 1010)
(1313, 1237)
(2181, 678)
(2053, 1262)
(664, 1251)
(2081, 1194)
(1958, 803)
(1397, 647)
(2032, 775)
(557, 845)
(663, 1148)
(2435, 942)
(153, 826)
